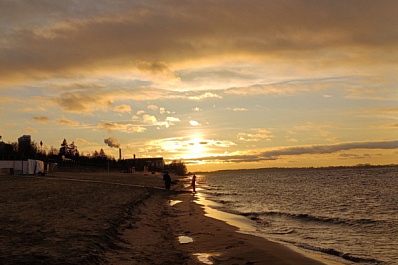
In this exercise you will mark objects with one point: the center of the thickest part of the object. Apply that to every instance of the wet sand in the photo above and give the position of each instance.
(96, 218)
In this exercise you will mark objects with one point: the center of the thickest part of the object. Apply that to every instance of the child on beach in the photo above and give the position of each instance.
(193, 183)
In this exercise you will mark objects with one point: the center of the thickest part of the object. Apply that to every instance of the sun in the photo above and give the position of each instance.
(196, 146)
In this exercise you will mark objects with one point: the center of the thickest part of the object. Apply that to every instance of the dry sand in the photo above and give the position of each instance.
(96, 218)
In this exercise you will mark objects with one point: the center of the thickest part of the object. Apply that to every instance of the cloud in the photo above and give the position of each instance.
(353, 156)
(30, 130)
(231, 158)
(88, 100)
(112, 142)
(184, 144)
(154, 67)
(80, 141)
(153, 107)
(31, 109)
(328, 149)
(122, 108)
(316, 130)
(83, 102)
(204, 96)
(149, 119)
(219, 143)
(65, 121)
(225, 74)
(237, 109)
(387, 110)
(57, 40)
(288, 87)
(6, 100)
(161, 110)
(41, 119)
(144, 23)
(387, 113)
(299, 150)
(260, 134)
(123, 127)
(194, 123)
(172, 119)
(167, 123)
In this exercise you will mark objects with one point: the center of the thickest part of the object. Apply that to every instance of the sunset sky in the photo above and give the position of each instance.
(218, 84)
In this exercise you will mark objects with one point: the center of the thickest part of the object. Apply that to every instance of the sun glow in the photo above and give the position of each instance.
(196, 147)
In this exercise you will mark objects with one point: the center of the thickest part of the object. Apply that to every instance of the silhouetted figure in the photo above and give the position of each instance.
(193, 183)
(167, 180)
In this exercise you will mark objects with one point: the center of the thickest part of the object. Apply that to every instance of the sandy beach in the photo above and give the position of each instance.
(96, 218)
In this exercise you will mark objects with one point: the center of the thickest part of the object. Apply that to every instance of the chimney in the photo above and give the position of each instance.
(134, 156)
(120, 153)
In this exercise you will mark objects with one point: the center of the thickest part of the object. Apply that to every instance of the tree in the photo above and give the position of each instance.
(102, 153)
(53, 151)
(72, 150)
(177, 167)
(64, 148)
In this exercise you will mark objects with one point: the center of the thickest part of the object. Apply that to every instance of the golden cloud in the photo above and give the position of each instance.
(65, 121)
(41, 119)
(157, 35)
(83, 102)
(127, 128)
(122, 108)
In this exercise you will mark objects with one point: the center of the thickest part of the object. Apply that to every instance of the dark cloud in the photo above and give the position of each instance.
(328, 149)
(174, 31)
(154, 67)
(303, 150)
(353, 156)
(82, 102)
(194, 75)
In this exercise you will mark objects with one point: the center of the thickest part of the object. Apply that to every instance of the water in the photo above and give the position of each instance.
(347, 212)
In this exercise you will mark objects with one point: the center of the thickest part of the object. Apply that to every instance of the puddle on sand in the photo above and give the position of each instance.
(185, 239)
(204, 258)
(174, 202)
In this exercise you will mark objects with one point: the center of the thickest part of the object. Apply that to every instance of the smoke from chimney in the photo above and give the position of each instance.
(112, 142)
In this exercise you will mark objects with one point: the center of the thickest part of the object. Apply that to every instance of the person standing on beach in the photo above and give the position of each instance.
(167, 180)
(193, 183)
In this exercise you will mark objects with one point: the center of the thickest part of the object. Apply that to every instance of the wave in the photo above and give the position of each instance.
(218, 194)
(333, 252)
(307, 217)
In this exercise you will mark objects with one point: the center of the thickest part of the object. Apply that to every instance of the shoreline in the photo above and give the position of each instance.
(236, 226)
(91, 218)
(245, 226)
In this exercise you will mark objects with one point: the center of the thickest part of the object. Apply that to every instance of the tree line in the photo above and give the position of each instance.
(68, 156)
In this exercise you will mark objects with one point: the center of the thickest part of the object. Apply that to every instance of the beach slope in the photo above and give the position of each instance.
(93, 218)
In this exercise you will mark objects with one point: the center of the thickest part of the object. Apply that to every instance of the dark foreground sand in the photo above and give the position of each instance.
(96, 218)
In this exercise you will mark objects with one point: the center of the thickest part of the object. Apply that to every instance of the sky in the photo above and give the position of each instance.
(224, 84)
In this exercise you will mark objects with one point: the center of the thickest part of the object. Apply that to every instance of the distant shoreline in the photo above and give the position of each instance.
(299, 168)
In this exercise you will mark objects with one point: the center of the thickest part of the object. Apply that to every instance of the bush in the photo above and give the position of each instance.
(177, 167)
